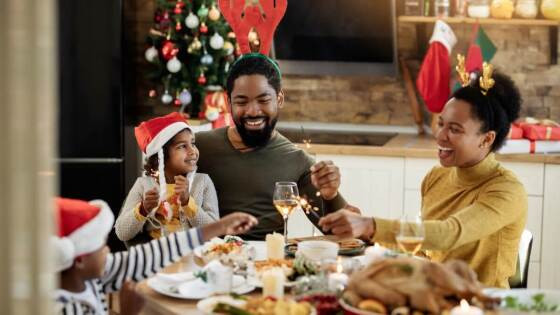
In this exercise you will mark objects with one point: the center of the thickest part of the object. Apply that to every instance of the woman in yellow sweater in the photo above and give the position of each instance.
(473, 209)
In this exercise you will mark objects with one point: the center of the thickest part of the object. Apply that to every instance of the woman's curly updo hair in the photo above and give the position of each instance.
(497, 109)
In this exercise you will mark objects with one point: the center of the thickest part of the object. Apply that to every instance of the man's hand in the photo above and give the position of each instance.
(182, 189)
(131, 302)
(325, 176)
(346, 223)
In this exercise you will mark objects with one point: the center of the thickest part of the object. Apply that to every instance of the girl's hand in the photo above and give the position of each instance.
(150, 201)
(237, 223)
(182, 189)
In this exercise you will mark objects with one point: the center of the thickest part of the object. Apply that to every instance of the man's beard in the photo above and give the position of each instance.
(256, 138)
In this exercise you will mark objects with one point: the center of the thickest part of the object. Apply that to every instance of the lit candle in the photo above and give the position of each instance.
(466, 309)
(338, 280)
(374, 253)
(273, 283)
(275, 246)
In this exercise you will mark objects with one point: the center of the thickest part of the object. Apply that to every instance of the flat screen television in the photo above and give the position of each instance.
(337, 37)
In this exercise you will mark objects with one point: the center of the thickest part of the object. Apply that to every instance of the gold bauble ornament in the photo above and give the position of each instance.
(214, 13)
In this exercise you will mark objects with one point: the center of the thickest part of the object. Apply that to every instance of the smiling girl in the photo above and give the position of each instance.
(171, 193)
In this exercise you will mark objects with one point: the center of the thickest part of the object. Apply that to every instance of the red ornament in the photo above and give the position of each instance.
(177, 10)
(202, 79)
(152, 93)
(168, 50)
(178, 26)
(177, 102)
(166, 15)
(180, 4)
(203, 28)
(158, 17)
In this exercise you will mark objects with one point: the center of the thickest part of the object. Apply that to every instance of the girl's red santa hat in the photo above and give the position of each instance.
(152, 135)
(82, 229)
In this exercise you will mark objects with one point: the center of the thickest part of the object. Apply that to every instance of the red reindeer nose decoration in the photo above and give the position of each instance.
(261, 15)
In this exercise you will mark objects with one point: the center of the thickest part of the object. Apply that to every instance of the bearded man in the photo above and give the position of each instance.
(246, 160)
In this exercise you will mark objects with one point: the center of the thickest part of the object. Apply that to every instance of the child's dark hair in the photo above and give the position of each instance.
(497, 109)
(152, 163)
(254, 64)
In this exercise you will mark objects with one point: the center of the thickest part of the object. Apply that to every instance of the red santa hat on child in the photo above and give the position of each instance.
(82, 229)
(153, 134)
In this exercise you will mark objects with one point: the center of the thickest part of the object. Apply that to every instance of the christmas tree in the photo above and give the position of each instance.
(191, 48)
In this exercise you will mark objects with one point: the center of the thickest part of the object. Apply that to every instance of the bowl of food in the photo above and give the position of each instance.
(318, 250)
(230, 249)
(346, 247)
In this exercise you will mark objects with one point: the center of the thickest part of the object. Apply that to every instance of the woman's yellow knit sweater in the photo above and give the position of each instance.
(475, 214)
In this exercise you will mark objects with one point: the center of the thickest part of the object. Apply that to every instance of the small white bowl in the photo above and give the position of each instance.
(318, 250)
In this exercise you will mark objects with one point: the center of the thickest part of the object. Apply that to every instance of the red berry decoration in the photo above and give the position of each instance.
(177, 10)
(203, 28)
(168, 50)
(177, 102)
(202, 79)
(152, 93)
(178, 26)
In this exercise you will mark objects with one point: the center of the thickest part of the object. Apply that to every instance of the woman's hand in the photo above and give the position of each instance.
(347, 223)
(182, 189)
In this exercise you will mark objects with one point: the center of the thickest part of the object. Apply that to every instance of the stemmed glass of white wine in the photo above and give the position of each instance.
(411, 234)
(285, 199)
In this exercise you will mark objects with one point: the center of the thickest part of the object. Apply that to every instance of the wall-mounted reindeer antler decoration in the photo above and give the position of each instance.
(261, 15)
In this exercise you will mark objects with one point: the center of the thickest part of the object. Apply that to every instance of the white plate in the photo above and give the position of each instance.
(207, 305)
(195, 289)
(551, 297)
(198, 252)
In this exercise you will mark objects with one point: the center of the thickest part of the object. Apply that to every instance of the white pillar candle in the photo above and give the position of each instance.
(273, 283)
(374, 253)
(466, 309)
(338, 280)
(275, 246)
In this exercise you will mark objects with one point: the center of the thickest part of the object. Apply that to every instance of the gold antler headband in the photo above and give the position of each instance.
(486, 82)
(461, 70)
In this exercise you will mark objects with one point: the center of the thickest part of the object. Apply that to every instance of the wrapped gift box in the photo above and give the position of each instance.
(515, 132)
(534, 129)
(519, 146)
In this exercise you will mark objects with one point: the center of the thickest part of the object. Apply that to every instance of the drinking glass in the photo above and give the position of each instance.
(285, 199)
(411, 234)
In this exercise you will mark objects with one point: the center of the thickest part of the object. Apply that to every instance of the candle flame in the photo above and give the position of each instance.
(464, 305)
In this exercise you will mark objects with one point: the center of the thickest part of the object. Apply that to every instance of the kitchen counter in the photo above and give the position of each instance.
(411, 145)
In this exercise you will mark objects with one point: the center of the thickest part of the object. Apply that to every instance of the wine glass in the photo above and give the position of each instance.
(285, 200)
(411, 234)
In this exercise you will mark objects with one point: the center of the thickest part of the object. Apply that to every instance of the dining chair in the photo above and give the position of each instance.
(519, 280)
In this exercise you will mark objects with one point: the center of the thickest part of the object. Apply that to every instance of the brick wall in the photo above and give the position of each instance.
(523, 53)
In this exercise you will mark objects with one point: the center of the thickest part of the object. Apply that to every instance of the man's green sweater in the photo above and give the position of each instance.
(245, 180)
